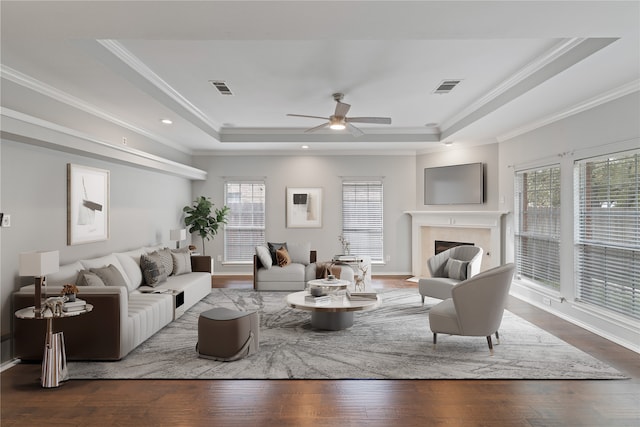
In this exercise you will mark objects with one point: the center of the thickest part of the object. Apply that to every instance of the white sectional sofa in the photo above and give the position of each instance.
(124, 315)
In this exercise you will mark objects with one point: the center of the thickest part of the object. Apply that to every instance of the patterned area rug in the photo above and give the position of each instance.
(391, 342)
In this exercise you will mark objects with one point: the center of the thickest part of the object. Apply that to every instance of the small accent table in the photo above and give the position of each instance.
(54, 360)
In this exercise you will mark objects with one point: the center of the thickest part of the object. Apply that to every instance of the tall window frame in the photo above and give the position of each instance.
(245, 228)
(363, 219)
(607, 232)
(537, 225)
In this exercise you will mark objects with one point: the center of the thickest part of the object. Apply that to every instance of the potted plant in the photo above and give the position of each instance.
(199, 218)
(69, 291)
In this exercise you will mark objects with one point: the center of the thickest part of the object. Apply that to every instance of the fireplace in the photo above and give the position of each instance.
(483, 228)
(443, 245)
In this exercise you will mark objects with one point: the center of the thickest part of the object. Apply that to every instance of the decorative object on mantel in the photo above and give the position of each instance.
(69, 291)
(199, 219)
(87, 204)
(304, 207)
(39, 264)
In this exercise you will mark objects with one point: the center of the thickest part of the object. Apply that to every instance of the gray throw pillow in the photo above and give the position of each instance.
(153, 269)
(166, 259)
(181, 262)
(87, 278)
(110, 275)
(264, 256)
(456, 269)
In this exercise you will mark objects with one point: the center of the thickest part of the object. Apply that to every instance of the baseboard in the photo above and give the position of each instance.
(9, 364)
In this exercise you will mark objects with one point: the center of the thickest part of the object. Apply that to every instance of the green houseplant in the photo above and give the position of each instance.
(199, 218)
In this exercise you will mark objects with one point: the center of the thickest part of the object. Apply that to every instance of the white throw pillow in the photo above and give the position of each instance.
(181, 262)
(66, 274)
(104, 262)
(265, 256)
(300, 253)
(131, 263)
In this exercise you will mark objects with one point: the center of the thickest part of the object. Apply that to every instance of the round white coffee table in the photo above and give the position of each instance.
(335, 315)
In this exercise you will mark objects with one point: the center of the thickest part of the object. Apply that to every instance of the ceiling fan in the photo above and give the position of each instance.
(339, 120)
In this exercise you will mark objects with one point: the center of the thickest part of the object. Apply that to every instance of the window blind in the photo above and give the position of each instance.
(362, 224)
(608, 232)
(537, 225)
(245, 228)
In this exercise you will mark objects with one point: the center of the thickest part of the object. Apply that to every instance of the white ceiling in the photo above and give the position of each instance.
(522, 64)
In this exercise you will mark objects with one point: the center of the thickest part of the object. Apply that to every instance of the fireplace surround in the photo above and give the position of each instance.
(482, 228)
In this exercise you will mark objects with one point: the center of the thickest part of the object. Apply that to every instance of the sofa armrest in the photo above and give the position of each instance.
(201, 263)
(92, 336)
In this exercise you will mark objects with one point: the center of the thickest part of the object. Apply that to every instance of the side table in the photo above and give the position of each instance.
(54, 359)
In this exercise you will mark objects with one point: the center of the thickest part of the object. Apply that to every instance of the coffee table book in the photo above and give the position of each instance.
(77, 305)
(321, 300)
(362, 296)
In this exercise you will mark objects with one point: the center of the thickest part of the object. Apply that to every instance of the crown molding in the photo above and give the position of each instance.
(22, 127)
(588, 104)
(38, 86)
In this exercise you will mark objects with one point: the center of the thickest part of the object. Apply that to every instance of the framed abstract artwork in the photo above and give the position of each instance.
(304, 207)
(87, 204)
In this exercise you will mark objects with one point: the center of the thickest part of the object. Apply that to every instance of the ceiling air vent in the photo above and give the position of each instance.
(447, 86)
(221, 86)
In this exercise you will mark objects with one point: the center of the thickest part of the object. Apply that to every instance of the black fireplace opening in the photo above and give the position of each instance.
(443, 245)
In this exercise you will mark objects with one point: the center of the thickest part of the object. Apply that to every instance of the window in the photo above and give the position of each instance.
(245, 224)
(608, 232)
(537, 226)
(362, 218)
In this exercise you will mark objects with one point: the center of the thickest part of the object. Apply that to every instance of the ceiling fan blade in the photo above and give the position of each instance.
(354, 130)
(341, 109)
(311, 117)
(324, 125)
(378, 120)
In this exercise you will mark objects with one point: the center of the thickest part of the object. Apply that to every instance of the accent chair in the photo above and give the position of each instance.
(476, 306)
(448, 268)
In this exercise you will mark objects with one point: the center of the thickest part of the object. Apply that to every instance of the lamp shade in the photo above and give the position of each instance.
(39, 264)
(178, 234)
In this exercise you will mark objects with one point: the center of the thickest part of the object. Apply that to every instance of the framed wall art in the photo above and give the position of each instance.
(304, 207)
(87, 204)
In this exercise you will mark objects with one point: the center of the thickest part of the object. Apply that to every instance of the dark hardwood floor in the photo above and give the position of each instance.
(332, 403)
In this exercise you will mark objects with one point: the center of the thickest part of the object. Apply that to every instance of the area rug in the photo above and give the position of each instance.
(391, 342)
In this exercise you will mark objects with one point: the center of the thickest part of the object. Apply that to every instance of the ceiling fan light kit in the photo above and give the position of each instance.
(339, 120)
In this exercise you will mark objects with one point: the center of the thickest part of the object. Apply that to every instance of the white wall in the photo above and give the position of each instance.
(280, 172)
(605, 129)
(144, 207)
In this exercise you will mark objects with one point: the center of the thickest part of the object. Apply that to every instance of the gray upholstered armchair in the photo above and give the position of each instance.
(448, 268)
(476, 306)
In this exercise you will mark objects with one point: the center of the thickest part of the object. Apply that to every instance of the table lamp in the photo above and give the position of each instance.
(39, 264)
(178, 235)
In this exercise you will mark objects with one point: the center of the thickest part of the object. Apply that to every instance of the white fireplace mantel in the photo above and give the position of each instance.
(491, 220)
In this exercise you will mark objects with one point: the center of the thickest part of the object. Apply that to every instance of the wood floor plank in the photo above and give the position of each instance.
(283, 403)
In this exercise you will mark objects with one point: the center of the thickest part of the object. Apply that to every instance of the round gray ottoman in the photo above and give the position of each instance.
(228, 335)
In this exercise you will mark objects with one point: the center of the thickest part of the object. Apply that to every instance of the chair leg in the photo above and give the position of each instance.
(422, 299)
(435, 338)
(489, 342)
(497, 338)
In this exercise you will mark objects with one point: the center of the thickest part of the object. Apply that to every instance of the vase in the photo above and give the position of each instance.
(71, 297)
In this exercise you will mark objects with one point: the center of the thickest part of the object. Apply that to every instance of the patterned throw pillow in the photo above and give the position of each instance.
(166, 259)
(456, 269)
(283, 257)
(153, 269)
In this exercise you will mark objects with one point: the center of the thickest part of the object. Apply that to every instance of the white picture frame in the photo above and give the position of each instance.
(87, 204)
(304, 207)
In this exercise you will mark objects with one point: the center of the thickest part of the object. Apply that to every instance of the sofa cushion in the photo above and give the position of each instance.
(273, 247)
(290, 273)
(264, 256)
(152, 269)
(181, 262)
(300, 252)
(131, 263)
(456, 269)
(66, 274)
(282, 255)
(88, 278)
(110, 275)
(104, 262)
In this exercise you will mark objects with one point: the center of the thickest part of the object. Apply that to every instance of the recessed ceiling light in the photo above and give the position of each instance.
(448, 143)
(305, 147)
(166, 121)
(431, 125)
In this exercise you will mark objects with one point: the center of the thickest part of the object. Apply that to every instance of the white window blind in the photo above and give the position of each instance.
(246, 221)
(537, 225)
(362, 218)
(608, 232)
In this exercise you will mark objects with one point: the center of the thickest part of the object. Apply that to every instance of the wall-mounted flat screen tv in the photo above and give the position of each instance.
(454, 185)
